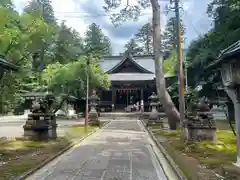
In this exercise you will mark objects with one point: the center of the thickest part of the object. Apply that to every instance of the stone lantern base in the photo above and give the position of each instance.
(198, 129)
(93, 118)
(154, 120)
(192, 134)
(40, 126)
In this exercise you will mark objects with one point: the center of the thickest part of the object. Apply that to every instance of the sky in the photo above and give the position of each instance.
(78, 14)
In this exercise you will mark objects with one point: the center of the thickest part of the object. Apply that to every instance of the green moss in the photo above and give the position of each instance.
(170, 133)
(80, 130)
(211, 154)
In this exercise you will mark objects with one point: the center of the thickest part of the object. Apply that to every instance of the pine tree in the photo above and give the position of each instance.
(69, 45)
(96, 42)
(133, 47)
(169, 36)
(43, 9)
(144, 37)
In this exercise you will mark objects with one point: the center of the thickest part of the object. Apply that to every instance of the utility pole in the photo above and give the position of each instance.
(180, 63)
(87, 91)
(148, 36)
(185, 69)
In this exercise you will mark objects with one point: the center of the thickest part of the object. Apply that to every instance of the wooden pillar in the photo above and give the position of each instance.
(113, 98)
(142, 101)
(142, 96)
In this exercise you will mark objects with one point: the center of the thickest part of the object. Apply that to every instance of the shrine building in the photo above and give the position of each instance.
(132, 80)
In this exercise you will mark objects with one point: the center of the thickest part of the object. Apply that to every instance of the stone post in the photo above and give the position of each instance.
(93, 114)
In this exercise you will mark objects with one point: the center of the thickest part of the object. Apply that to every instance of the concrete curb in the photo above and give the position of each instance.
(48, 160)
(174, 166)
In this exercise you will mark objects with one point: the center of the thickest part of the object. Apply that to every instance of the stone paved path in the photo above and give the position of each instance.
(120, 151)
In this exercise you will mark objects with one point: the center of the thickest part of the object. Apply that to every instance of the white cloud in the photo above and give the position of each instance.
(66, 10)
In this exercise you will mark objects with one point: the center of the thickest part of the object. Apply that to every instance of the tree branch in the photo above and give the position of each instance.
(9, 47)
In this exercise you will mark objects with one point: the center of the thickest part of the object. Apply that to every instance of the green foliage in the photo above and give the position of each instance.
(141, 43)
(69, 44)
(205, 49)
(169, 37)
(70, 78)
(169, 64)
(145, 39)
(96, 42)
(41, 9)
(43, 50)
(129, 12)
(133, 47)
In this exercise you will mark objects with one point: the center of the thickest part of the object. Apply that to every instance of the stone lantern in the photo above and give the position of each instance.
(154, 115)
(41, 122)
(229, 65)
(93, 114)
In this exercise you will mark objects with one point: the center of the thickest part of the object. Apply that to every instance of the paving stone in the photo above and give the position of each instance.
(120, 151)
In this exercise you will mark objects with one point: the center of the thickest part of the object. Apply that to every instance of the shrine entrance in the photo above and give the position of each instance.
(126, 97)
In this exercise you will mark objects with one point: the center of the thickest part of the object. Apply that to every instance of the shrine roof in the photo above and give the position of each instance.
(226, 54)
(7, 65)
(146, 62)
(134, 76)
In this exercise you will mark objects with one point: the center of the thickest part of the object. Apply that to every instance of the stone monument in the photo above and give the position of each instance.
(200, 123)
(41, 122)
(154, 118)
(93, 114)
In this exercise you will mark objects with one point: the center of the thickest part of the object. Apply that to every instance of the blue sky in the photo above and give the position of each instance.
(78, 14)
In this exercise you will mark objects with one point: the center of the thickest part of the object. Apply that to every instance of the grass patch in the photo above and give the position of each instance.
(79, 130)
(211, 154)
(169, 133)
(18, 155)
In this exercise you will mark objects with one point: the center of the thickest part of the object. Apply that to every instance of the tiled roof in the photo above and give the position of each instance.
(225, 54)
(232, 49)
(108, 62)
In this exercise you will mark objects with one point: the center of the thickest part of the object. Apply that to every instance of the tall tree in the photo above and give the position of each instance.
(132, 11)
(133, 47)
(226, 30)
(41, 8)
(7, 4)
(73, 74)
(169, 40)
(44, 10)
(68, 45)
(144, 37)
(96, 42)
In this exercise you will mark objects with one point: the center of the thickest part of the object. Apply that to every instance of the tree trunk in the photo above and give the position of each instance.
(163, 95)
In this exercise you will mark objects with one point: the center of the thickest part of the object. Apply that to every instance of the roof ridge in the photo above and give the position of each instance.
(131, 58)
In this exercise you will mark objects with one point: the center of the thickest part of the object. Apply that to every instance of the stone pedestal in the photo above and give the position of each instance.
(40, 126)
(200, 127)
(154, 118)
(93, 114)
